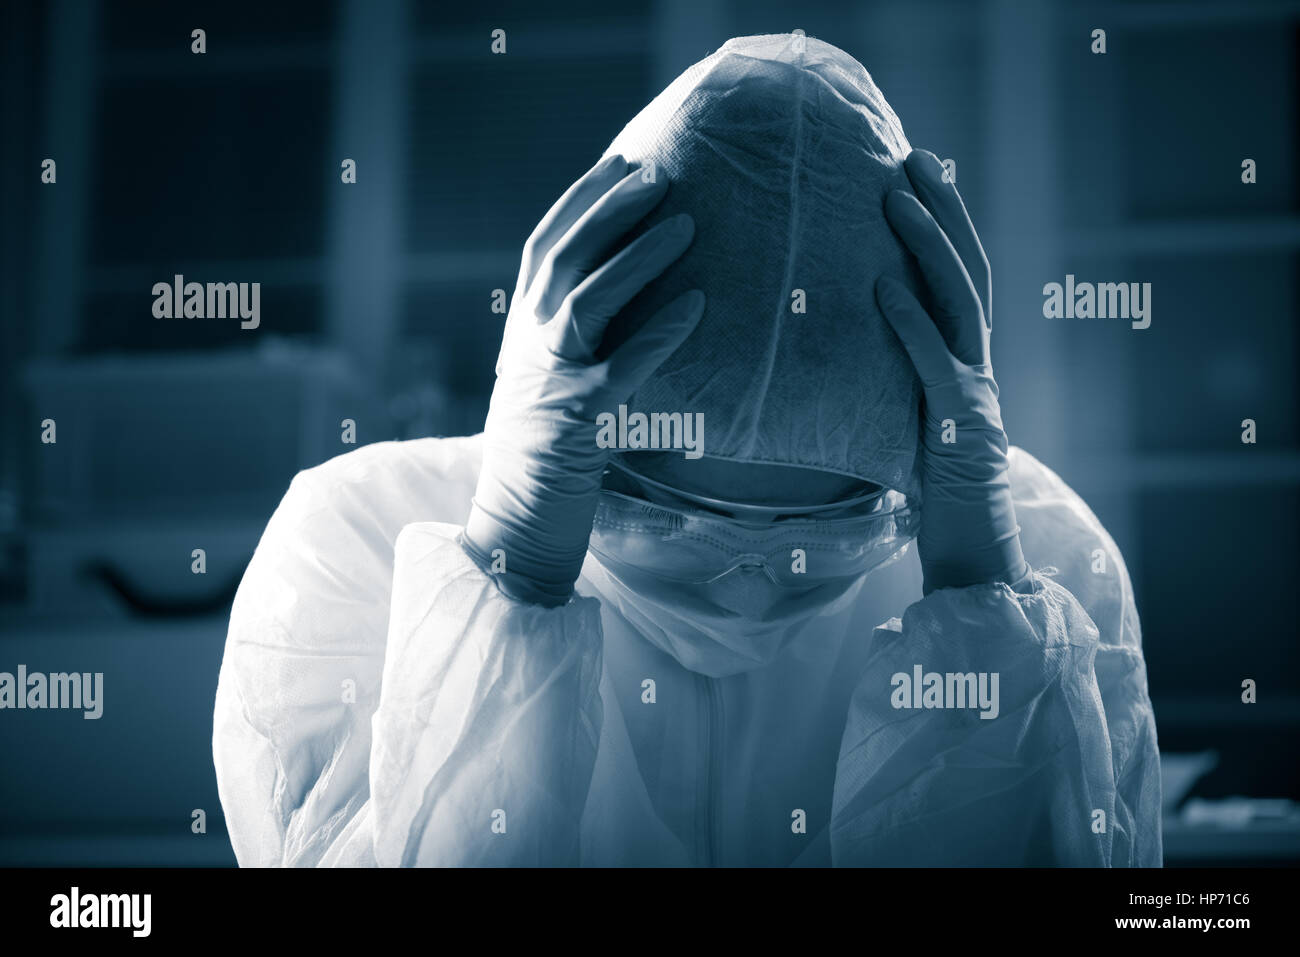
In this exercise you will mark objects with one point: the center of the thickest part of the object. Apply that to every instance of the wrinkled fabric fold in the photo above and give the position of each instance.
(486, 731)
(1069, 772)
(1043, 783)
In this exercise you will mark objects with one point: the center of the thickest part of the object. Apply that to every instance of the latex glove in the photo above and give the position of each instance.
(968, 530)
(541, 475)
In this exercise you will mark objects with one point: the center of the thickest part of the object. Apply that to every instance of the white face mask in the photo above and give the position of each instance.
(735, 623)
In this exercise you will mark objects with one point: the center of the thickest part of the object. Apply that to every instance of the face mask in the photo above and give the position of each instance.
(723, 596)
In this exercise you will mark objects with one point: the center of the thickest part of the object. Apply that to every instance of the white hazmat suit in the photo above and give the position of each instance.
(382, 702)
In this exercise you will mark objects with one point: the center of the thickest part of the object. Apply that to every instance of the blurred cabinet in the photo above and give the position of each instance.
(157, 455)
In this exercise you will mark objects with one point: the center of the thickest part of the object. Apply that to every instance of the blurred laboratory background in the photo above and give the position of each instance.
(376, 307)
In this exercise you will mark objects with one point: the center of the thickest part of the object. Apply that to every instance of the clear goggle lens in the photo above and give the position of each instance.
(696, 548)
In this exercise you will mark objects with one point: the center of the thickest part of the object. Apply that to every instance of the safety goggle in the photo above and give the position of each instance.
(692, 547)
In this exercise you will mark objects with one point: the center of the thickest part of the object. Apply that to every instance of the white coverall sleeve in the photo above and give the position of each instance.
(380, 702)
(490, 715)
(1067, 773)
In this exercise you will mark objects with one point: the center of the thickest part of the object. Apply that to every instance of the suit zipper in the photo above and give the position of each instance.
(713, 733)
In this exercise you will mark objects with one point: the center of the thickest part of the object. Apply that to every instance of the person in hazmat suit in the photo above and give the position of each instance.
(741, 571)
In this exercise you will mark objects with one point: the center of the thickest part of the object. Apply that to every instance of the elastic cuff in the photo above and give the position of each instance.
(512, 584)
(1022, 584)
(1002, 562)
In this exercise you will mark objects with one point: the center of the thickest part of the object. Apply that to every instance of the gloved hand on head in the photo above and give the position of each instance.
(968, 531)
(542, 466)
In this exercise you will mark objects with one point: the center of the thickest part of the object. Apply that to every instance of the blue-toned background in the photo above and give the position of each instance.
(175, 435)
